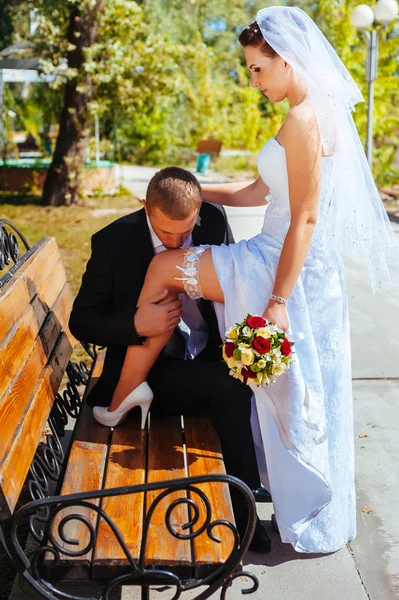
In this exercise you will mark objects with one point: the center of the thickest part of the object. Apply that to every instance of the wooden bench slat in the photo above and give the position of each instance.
(126, 466)
(14, 404)
(23, 287)
(52, 286)
(14, 351)
(85, 472)
(166, 462)
(204, 455)
(57, 320)
(15, 465)
(34, 322)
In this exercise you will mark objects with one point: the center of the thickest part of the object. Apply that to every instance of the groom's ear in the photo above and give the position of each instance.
(145, 206)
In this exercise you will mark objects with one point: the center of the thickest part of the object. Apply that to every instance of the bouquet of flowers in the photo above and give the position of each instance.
(256, 351)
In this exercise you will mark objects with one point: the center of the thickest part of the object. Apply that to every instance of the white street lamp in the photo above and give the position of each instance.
(363, 17)
(386, 11)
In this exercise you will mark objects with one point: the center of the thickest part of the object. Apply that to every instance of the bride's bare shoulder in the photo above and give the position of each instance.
(300, 126)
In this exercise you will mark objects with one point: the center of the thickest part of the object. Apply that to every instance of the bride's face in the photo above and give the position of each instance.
(270, 74)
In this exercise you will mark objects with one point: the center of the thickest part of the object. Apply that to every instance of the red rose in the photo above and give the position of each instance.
(261, 345)
(285, 347)
(256, 322)
(247, 374)
(229, 349)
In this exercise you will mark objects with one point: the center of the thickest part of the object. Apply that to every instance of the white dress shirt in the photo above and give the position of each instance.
(192, 322)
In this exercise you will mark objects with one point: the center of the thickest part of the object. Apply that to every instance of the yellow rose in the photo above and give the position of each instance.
(243, 346)
(261, 379)
(231, 362)
(261, 363)
(264, 332)
(247, 356)
(279, 369)
(232, 335)
(237, 374)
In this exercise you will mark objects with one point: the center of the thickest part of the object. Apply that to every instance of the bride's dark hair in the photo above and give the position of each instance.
(252, 36)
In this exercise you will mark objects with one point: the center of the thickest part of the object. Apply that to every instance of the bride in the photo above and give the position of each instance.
(321, 200)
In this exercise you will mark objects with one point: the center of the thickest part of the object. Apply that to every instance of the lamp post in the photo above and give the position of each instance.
(363, 18)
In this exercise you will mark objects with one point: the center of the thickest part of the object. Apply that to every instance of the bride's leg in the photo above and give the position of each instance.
(161, 275)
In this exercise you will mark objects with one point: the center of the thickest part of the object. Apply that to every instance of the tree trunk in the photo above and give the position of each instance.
(64, 175)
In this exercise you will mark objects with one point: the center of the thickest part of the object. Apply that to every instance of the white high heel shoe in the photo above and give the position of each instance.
(141, 396)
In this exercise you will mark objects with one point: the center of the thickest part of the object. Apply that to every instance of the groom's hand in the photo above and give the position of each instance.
(157, 315)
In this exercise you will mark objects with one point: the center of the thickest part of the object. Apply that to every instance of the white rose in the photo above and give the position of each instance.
(276, 356)
(247, 331)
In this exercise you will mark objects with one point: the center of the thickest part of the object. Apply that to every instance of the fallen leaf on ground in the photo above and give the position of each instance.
(366, 510)
(363, 435)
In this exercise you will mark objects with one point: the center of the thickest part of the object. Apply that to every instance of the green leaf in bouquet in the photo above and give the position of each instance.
(237, 354)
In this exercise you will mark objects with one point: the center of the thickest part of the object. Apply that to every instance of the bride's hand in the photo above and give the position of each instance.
(277, 314)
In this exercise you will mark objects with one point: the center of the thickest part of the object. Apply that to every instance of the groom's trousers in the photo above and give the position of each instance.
(204, 385)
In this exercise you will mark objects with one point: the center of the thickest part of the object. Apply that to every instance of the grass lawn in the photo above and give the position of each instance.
(71, 226)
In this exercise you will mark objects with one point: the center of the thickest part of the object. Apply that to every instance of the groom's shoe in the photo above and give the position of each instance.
(274, 523)
(141, 396)
(260, 542)
(262, 495)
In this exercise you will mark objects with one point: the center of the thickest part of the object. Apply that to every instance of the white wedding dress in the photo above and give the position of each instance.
(305, 418)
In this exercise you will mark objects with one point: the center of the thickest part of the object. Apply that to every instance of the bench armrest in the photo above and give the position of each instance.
(51, 507)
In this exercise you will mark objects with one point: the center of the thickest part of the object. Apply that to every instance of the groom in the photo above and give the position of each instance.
(189, 376)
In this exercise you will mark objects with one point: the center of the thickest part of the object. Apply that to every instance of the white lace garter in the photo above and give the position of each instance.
(190, 270)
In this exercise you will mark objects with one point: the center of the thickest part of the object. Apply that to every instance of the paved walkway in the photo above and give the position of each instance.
(368, 569)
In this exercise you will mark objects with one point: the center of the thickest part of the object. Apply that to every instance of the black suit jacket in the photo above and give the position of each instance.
(104, 309)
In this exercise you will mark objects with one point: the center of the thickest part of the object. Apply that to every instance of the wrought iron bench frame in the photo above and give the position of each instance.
(49, 465)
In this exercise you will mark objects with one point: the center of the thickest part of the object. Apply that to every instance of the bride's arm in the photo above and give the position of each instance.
(303, 155)
(245, 193)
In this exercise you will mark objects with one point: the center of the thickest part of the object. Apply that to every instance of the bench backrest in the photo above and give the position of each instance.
(210, 146)
(35, 347)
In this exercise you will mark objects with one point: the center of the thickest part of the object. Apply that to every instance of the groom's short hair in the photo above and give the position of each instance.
(175, 191)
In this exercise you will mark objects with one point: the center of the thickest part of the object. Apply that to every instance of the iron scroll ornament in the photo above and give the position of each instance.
(9, 246)
(32, 567)
(49, 460)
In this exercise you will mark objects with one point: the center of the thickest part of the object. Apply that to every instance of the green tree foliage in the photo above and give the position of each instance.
(333, 19)
(166, 73)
